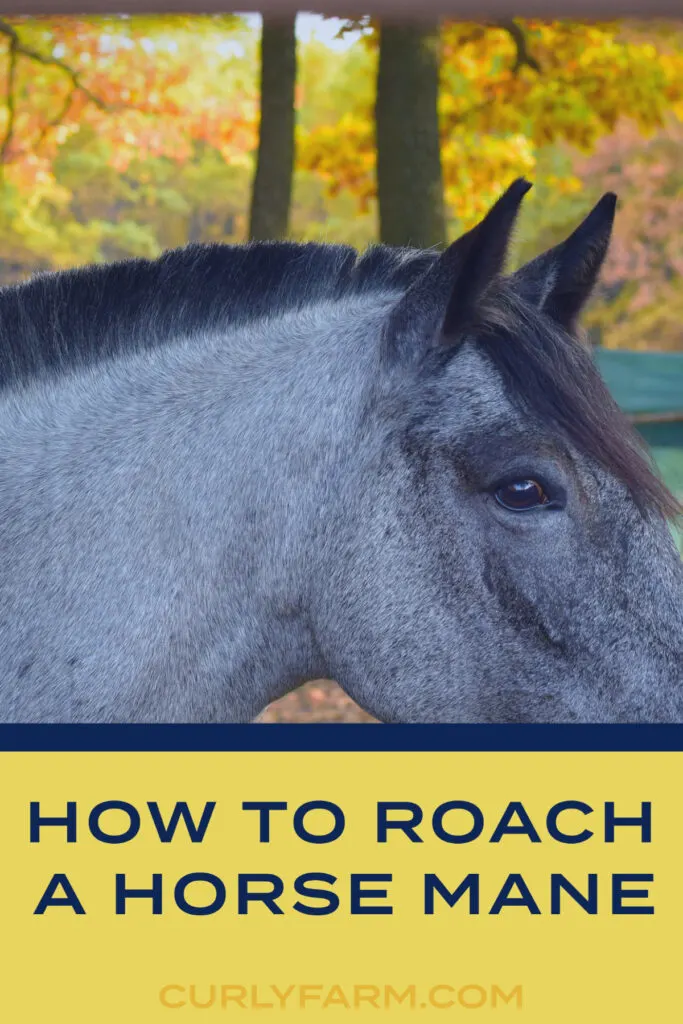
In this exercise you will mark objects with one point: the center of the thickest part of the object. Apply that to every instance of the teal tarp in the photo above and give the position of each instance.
(643, 382)
(647, 383)
(651, 383)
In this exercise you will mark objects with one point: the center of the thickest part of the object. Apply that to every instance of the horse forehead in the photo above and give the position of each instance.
(474, 390)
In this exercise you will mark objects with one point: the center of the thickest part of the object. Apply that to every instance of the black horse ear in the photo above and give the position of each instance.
(561, 280)
(442, 303)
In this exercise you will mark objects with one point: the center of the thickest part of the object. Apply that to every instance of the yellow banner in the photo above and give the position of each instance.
(145, 887)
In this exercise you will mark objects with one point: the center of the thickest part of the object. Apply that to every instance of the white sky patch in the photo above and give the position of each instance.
(308, 27)
(314, 26)
(230, 48)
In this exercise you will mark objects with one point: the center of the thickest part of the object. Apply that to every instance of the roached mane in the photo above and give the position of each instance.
(61, 320)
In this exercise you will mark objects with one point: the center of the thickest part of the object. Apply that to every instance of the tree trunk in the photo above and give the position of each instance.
(272, 188)
(409, 178)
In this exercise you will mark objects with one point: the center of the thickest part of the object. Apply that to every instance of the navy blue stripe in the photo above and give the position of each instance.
(340, 737)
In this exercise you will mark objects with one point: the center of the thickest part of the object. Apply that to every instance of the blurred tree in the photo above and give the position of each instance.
(272, 189)
(507, 91)
(409, 178)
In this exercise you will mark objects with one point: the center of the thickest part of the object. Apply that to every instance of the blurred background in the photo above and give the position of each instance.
(124, 136)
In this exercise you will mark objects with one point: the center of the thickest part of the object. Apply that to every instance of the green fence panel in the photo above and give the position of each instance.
(647, 384)
(643, 382)
(651, 384)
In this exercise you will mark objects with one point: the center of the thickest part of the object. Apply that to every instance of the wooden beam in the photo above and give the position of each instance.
(463, 10)
(657, 417)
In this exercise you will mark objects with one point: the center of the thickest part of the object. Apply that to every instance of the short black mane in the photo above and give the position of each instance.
(71, 317)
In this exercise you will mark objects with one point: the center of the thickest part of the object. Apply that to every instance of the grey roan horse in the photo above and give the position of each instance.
(236, 468)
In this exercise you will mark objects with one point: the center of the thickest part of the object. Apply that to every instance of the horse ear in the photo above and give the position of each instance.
(442, 303)
(561, 280)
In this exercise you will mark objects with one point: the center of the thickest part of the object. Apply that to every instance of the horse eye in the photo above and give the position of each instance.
(521, 495)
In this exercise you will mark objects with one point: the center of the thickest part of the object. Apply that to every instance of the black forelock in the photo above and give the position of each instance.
(58, 320)
(550, 375)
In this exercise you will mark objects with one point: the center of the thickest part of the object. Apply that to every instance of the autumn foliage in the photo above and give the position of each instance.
(507, 92)
(131, 79)
(126, 135)
(105, 99)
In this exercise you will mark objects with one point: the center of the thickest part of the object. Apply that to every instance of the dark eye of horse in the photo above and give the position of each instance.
(521, 495)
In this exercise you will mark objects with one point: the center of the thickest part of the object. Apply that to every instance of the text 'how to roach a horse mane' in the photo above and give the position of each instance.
(236, 468)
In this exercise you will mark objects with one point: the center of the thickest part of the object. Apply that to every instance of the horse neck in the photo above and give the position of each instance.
(228, 448)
